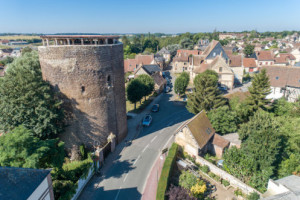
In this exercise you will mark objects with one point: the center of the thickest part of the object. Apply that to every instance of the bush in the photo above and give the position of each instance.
(253, 196)
(212, 175)
(238, 192)
(225, 183)
(187, 180)
(205, 169)
(64, 189)
(217, 178)
(176, 193)
(165, 173)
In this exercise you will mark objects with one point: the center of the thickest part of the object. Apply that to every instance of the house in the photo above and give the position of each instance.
(6, 52)
(25, 183)
(223, 36)
(265, 58)
(4, 42)
(180, 63)
(284, 59)
(233, 139)
(296, 53)
(159, 83)
(250, 65)
(165, 54)
(213, 50)
(284, 81)
(284, 188)
(235, 63)
(197, 137)
(130, 65)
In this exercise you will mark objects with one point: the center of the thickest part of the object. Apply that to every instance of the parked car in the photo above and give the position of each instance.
(223, 87)
(220, 163)
(167, 89)
(155, 108)
(147, 120)
(163, 74)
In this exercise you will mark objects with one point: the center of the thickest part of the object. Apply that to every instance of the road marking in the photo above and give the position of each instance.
(167, 142)
(153, 138)
(118, 193)
(136, 159)
(125, 178)
(145, 148)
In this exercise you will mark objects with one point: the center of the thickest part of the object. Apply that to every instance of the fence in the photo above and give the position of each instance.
(224, 175)
(84, 180)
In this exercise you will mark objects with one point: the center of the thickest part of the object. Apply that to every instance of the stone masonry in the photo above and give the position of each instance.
(87, 72)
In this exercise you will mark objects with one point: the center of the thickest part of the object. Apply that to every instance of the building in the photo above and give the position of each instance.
(165, 54)
(25, 183)
(285, 59)
(87, 72)
(197, 137)
(130, 65)
(223, 36)
(6, 52)
(236, 65)
(285, 188)
(265, 58)
(213, 50)
(250, 65)
(284, 81)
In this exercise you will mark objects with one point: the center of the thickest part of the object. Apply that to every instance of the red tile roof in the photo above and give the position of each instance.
(265, 56)
(235, 60)
(283, 76)
(188, 52)
(130, 65)
(220, 141)
(144, 59)
(249, 62)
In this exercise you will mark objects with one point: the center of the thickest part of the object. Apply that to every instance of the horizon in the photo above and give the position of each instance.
(135, 17)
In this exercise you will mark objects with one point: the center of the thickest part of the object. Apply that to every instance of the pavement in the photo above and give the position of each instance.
(126, 171)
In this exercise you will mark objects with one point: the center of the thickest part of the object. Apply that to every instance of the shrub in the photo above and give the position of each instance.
(225, 183)
(63, 189)
(165, 173)
(176, 193)
(253, 196)
(217, 178)
(82, 152)
(199, 189)
(187, 180)
(238, 192)
(205, 169)
(212, 175)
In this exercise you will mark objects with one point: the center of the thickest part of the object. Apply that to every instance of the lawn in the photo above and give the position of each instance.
(139, 106)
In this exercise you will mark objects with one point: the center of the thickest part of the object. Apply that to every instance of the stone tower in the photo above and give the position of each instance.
(87, 71)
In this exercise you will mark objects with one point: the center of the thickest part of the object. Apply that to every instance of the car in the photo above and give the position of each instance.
(223, 87)
(163, 74)
(220, 163)
(167, 89)
(155, 108)
(147, 120)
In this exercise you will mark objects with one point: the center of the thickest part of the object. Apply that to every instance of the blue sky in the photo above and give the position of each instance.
(140, 16)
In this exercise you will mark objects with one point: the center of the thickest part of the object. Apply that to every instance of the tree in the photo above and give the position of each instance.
(186, 43)
(249, 50)
(223, 120)
(181, 83)
(19, 148)
(125, 41)
(206, 95)
(25, 98)
(289, 166)
(135, 91)
(187, 180)
(176, 193)
(259, 90)
(253, 196)
(7, 60)
(186, 76)
(148, 83)
(26, 50)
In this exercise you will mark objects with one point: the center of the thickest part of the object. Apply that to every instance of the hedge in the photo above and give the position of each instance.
(166, 172)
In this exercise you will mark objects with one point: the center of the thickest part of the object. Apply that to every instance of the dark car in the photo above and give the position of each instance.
(155, 108)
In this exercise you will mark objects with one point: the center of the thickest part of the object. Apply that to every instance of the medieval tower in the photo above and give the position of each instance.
(87, 72)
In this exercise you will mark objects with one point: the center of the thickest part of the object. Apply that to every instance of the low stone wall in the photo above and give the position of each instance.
(224, 175)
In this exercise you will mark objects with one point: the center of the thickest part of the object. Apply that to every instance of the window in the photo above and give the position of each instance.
(214, 54)
(277, 77)
(108, 81)
(208, 131)
(220, 69)
(82, 89)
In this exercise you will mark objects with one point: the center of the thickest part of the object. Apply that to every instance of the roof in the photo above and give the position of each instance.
(188, 52)
(7, 50)
(150, 69)
(164, 51)
(235, 60)
(20, 183)
(144, 59)
(284, 58)
(249, 62)
(181, 58)
(283, 76)
(265, 55)
(220, 141)
(210, 47)
(200, 128)
(233, 138)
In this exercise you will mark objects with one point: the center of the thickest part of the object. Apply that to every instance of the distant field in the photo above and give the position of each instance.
(19, 37)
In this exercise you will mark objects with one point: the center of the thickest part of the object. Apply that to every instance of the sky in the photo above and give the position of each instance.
(142, 16)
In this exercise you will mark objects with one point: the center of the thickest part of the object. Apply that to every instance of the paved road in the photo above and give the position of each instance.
(126, 177)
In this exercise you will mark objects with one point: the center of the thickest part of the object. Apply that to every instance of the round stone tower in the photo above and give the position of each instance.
(87, 71)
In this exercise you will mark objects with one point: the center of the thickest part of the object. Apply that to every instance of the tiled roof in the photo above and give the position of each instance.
(249, 62)
(220, 142)
(181, 58)
(210, 47)
(283, 76)
(130, 64)
(20, 183)
(265, 55)
(188, 52)
(150, 69)
(144, 59)
(284, 57)
(235, 60)
(158, 79)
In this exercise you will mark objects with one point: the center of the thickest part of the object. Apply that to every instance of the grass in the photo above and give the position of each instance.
(140, 106)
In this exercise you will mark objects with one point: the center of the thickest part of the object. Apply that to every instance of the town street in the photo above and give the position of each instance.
(127, 175)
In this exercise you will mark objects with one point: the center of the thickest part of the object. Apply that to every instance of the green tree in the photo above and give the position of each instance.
(25, 98)
(26, 50)
(148, 83)
(187, 180)
(289, 166)
(7, 60)
(253, 196)
(19, 148)
(248, 50)
(125, 41)
(186, 43)
(186, 76)
(259, 90)
(206, 95)
(223, 120)
(135, 91)
(180, 85)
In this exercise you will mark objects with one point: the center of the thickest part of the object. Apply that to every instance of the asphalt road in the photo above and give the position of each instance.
(127, 176)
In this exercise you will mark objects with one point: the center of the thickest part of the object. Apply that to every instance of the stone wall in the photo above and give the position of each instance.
(224, 175)
(90, 81)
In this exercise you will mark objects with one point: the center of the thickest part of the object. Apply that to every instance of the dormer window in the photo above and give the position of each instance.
(277, 77)
(208, 131)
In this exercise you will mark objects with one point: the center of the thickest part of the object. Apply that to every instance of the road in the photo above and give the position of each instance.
(127, 175)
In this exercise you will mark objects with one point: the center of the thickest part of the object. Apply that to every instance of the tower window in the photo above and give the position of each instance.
(82, 89)
(108, 80)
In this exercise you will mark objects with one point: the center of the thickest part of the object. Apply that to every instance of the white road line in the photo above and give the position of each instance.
(167, 142)
(153, 138)
(125, 178)
(136, 159)
(118, 193)
(145, 148)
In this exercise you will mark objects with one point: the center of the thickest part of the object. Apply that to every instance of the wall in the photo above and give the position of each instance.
(178, 66)
(94, 106)
(187, 141)
(238, 73)
(224, 175)
(42, 191)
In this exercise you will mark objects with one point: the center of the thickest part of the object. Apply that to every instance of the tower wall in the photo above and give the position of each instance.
(90, 81)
